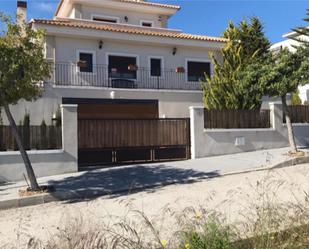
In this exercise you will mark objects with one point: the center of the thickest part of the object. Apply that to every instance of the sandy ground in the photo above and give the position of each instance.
(231, 195)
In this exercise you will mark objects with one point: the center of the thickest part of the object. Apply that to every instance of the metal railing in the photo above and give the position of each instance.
(68, 74)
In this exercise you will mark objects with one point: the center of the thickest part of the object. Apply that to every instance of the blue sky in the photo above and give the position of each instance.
(208, 17)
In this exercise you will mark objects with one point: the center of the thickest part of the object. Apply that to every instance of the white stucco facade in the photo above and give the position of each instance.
(66, 52)
(171, 103)
(119, 30)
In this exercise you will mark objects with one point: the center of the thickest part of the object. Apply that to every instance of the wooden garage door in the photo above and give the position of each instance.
(118, 111)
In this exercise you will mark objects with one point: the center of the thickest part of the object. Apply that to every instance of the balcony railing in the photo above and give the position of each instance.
(68, 74)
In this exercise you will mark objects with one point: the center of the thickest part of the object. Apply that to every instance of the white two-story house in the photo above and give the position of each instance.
(119, 59)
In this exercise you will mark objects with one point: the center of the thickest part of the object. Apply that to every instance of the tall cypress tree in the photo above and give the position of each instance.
(303, 32)
(225, 89)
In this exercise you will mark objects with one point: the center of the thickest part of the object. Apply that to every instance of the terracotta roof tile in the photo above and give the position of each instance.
(127, 29)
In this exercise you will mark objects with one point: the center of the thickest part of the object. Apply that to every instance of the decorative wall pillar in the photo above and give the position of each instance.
(70, 131)
(276, 116)
(196, 129)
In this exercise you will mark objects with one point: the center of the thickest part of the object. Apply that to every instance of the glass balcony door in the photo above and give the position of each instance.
(122, 67)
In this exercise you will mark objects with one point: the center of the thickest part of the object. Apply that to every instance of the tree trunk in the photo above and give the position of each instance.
(289, 126)
(33, 182)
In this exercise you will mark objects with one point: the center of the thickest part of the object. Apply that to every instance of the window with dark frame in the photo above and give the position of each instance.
(103, 19)
(196, 70)
(119, 67)
(86, 62)
(155, 67)
(147, 24)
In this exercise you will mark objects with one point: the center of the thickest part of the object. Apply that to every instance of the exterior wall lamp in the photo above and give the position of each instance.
(112, 94)
(54, 119)
(174, 50)
(100, 44)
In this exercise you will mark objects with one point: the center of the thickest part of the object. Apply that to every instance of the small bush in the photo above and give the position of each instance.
(26, 120)
(266, 223)
(212, 236)
(1, 119)
(296, 100)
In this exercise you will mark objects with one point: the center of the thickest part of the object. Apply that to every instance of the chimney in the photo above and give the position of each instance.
(21, 12)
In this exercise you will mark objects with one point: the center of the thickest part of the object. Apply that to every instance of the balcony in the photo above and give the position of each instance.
(69, 74)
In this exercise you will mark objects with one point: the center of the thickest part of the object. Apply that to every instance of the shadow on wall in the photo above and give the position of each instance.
(301, 135)
(123, 181)
(3, 181)
(12, 167)
(3, 184)
(38, 158)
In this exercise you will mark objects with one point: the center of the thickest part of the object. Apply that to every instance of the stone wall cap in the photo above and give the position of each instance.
(275, 103)
(196, 107)
(69, 105)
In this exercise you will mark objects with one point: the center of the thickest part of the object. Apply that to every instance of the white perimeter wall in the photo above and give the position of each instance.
(46, 162)
(212, 142)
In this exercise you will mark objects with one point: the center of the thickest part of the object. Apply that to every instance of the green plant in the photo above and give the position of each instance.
(282, 72)
(1, 119)
(23, 65)
(303, 32)
(26, 130)
(26, 120)
(225, 89)
(212, 235)
(267, 224)
(43, 123)
(296, 99)
(44, 139)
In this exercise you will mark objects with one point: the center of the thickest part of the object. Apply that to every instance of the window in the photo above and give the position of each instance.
(85, 62)
(146, 23)
(155, 67)
(122, 67)
(196, 70)
(109, 19)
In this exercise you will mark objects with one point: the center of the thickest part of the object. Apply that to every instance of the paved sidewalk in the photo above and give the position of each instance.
(125, 179)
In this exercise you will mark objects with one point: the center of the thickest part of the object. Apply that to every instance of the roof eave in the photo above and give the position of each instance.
(290, 35)
(173, 8)
(218, 44)
(58, 8)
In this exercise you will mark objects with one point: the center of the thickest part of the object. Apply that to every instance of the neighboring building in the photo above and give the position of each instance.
(291, 44)
(119, 59)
